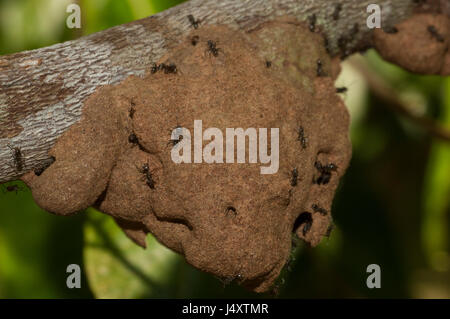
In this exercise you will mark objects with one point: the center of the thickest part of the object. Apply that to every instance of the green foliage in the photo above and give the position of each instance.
(436, 194)
(118, 268)
(36, 247)
(100, 15)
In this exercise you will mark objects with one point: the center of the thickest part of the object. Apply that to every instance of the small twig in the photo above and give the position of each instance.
(378, 87)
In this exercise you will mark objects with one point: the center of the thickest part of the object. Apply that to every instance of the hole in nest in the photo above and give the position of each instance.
(304, 219)
(132, 138)
(44, 166)
(231, 210)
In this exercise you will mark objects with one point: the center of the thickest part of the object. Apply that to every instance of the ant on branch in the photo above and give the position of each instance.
(12, 188)
(312, 22)
(193, 22)
(17, 157)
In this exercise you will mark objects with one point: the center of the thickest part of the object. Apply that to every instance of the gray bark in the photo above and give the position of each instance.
(42, 91)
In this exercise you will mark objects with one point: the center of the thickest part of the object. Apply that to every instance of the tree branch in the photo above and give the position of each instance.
(42, 91)
(380, 89)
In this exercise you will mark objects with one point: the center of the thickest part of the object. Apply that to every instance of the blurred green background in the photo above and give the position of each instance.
(392, 207)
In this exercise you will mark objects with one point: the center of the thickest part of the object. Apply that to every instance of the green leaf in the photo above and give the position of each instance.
(36, 247)
(118, 268)
(435, 237)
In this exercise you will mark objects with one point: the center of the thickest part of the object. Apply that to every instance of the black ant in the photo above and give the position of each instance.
(133, 139)
(307, 227)
(342, 89)
(194, 40)
(175, 141)
(12, 188)
(390, 30)
(268, 64)
(168, 68)
(435, 33)
(46, 165)
(17, 156)
(329, 167)
(337, 10)
(294, 177)
(212, 48)
(304, 219)
(312, 22)
(193, 22)
(148, 176)
(155, 68)
(325, 172)
(319, 69)
(232, 279)
(301, 137)
(316, 208)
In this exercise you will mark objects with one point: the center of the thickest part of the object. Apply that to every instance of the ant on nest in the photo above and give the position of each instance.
(213, 49)
(325, 172)
(145, 170)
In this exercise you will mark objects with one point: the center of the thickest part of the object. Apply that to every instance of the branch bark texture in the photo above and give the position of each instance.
(42, 91)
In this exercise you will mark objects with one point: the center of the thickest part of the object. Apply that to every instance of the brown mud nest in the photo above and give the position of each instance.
(419, 44)
(227, 219)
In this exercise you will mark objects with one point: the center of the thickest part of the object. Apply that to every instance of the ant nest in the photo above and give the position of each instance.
(427, 39)
(228, 219)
